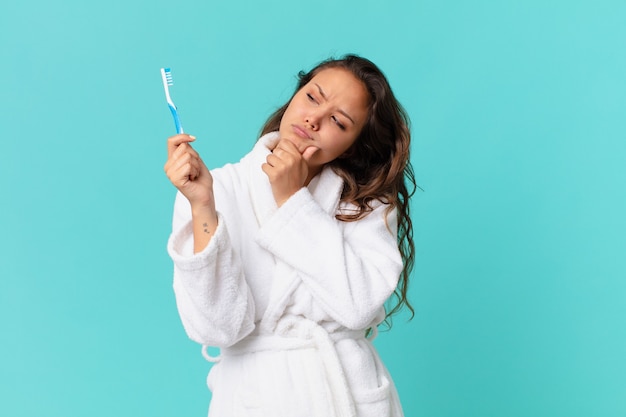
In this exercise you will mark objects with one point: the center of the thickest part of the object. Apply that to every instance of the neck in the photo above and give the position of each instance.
(313, 171)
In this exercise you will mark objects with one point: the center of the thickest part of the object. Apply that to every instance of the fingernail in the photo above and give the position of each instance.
(192, 137)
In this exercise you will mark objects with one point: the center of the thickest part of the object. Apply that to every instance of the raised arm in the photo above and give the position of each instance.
(350, 269)
(214, 301)
(189, 174)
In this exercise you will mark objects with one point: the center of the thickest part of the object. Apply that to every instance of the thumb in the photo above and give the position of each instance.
(309, 152)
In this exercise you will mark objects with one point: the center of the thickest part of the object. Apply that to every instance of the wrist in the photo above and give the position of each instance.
(204, 212)
(203, 206)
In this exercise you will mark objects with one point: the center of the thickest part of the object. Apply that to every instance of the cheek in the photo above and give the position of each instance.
(347, 142)
(283, 120)
(288, 115)
(338, 147)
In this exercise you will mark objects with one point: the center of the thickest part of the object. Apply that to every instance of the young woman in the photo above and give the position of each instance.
(285, 259)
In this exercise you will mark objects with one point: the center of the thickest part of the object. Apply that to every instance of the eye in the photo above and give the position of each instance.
(311, 98)
(338, 123)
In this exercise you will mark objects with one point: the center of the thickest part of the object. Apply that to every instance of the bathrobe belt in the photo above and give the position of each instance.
(300, 333)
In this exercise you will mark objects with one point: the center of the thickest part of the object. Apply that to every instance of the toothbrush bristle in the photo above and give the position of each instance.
(168, 76)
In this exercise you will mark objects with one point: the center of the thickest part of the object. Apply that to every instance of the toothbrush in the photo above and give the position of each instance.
(166, 75)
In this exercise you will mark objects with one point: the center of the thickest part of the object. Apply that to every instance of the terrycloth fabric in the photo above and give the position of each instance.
(287, 294)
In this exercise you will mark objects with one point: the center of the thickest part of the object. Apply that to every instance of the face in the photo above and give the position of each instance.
(327, 113)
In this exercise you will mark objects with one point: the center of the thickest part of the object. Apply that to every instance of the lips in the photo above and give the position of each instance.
(300, 132)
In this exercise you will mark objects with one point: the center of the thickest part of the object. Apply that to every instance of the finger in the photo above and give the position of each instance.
(174, 141)
(267, 168)
(184, 148)
(183, 152)
(288, 152)
(299, 146)
(184, 172)
(194, 172)
(181, 164)
(283, 159)
(272, 160)
(309, 152)
(288, 146)
(271, 172)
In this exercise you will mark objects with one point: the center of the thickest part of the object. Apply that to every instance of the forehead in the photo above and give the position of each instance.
(342, 87)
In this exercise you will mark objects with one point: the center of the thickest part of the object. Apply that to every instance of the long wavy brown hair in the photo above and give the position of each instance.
(377, 166)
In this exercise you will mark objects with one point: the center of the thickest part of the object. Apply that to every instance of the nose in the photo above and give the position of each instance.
(313, 121)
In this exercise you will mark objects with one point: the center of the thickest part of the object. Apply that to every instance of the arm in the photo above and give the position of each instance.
(187, 172)
(213, 298)
(349, 268)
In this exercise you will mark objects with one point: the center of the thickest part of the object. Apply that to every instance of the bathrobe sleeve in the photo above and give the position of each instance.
(213, 299)
(349, 268)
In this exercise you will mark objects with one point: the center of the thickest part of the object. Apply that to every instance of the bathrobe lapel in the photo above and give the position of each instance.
(325, 189)
(260, 189)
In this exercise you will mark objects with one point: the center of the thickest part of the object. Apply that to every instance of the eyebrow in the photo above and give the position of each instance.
(339, 110)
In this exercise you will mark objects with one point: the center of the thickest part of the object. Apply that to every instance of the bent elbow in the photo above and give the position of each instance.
(220, 335)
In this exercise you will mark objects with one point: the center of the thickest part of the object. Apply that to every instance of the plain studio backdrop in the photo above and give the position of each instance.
(518, 112)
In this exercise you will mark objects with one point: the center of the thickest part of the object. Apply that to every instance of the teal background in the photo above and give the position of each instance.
(518, 111)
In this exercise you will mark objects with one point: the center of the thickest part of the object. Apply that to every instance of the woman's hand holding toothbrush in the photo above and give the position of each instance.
(189, 174)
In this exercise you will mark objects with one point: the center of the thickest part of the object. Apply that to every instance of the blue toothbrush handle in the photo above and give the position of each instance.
(179, 126)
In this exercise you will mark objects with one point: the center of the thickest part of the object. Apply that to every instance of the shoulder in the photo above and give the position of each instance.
(380, 214)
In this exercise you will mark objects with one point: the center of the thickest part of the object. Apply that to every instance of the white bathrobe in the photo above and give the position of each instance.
(287, 295)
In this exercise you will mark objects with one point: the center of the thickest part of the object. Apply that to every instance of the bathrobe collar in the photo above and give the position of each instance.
(326, 187)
